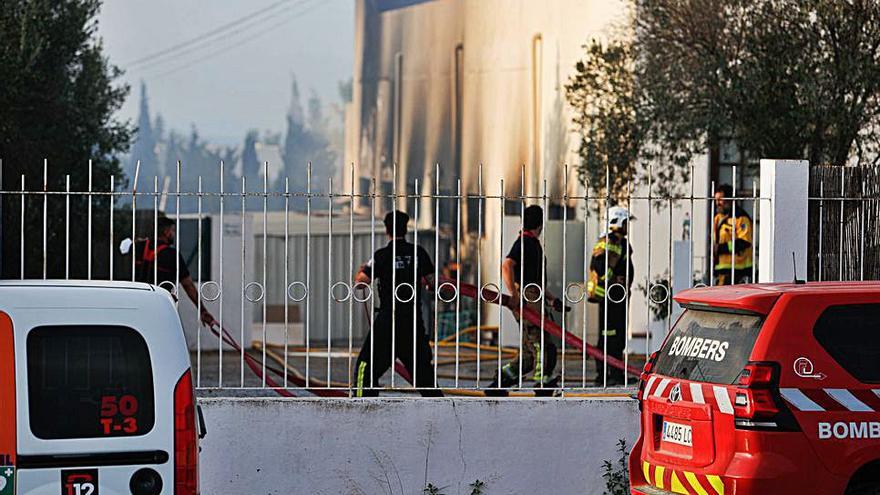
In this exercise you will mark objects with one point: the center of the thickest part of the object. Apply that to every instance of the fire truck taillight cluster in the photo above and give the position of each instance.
(757, 404)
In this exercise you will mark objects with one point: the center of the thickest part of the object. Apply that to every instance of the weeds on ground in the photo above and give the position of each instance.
(432, 490)
(476, 489)
(616, 474)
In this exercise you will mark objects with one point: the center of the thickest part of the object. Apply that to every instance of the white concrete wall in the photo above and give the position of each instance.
(342, 446)
(783, 241)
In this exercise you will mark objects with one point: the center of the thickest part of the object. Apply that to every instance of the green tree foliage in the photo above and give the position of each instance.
(781, 78)
(59, 94)
(609, 114)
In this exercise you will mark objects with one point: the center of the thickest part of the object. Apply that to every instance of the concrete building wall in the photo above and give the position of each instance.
(460, 83)
(323, 446)
(469, 83)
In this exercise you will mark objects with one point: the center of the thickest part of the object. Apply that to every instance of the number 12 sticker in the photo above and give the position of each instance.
(79, 482)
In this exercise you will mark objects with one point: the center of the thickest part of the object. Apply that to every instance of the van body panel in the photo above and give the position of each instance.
(152, 314)
(112, 480)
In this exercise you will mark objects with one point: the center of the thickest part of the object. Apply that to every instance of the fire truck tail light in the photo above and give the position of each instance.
(756, 401)
(757, 375)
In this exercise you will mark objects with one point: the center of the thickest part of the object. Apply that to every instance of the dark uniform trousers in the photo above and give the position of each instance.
(535, 358)
(367, 372)
(615, 330)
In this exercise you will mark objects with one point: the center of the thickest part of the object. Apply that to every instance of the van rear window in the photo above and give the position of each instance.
(89, 382)
(708, 346)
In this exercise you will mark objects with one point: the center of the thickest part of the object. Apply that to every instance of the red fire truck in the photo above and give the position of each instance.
(764, 389)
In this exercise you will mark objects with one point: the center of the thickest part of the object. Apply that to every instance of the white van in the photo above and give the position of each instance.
(96, 393)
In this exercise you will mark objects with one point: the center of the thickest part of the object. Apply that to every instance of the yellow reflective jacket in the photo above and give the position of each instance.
(736, 240)
(619, 253)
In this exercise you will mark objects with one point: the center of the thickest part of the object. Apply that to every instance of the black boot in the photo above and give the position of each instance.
(550, 389)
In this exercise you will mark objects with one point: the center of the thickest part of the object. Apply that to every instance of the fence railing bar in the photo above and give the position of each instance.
(821, 222)
(198, 287)
(585, 301)
(287, 281)
(265, 291)
(713, 237)
(604, 335)
(307, 337)
(280, 195)
(67, 233)
(134, 184)
(458, 283)
(330, 284)
(436, 269)
(416, 307)
(755, 231)
(371, 317)
(500, 339)
(89, 229)
(521, 281)
(840, 253)
(478, 299)
(733, 231)
(862, 232)
(243, 281)
(539, 359)
(155, 229)
(46, 215)
(351, 274)
(112, 208)
(691, 225)
(222, 230)
(648, 334)
(564, 295)
(179, 236)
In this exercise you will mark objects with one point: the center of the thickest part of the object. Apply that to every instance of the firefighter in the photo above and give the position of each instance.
(397, 263)
(523, 273)
(732, 240)
(157, 262)
(611, 290)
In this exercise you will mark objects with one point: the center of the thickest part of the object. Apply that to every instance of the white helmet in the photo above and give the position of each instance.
(617, 216)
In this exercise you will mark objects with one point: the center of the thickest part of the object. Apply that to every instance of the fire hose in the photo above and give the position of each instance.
(467, 290)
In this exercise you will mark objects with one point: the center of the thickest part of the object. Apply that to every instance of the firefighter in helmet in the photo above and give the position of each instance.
(732, 236)
(611, 275)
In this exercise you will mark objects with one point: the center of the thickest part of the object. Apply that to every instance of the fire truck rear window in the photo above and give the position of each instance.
(89, 382)
(708, 346)
(850, 334)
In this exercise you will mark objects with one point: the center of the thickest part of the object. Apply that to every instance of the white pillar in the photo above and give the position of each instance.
(783, 228)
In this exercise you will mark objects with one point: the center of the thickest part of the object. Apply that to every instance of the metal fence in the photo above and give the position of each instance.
(277, 270)
(845, 223)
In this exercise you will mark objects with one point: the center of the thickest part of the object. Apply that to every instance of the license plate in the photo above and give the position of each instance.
(677, 433)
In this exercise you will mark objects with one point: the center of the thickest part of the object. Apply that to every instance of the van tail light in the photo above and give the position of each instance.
(757, 403)
(186, 447)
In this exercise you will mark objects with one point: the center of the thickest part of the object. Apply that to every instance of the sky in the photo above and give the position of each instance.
(233, 78)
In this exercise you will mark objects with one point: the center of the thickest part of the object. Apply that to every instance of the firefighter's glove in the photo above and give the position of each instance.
(559, 307)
